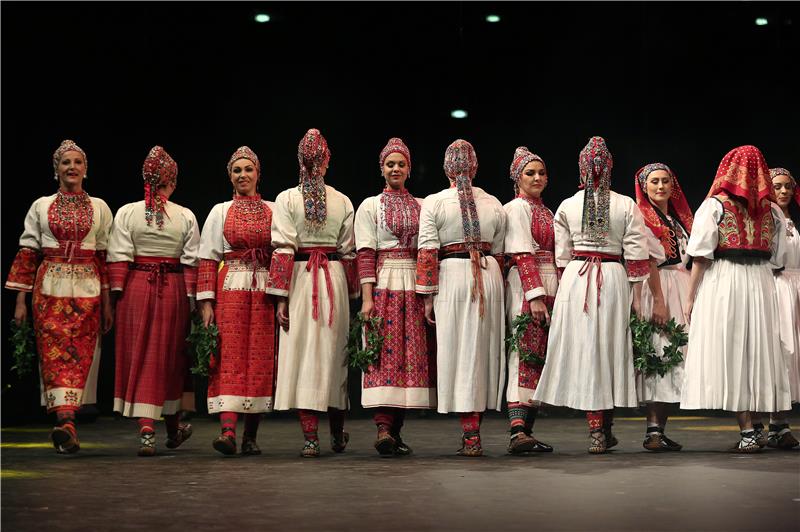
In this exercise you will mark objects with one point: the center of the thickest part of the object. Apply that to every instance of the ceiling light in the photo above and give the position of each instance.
(492, 18)
(761, 21)
(458, 113)
(262, 17)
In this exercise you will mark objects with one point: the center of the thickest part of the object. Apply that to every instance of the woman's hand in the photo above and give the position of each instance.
(367, 309)
(283, 313)
(21, 309)
(539, 310)
(428, 303)
(687, 312)
(207, 312)
(660, 315)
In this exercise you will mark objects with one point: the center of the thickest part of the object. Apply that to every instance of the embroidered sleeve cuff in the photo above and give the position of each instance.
(280, 274)
(366, 265)
(351, 273)
(206, 281)
(530, 295)
(102, 268)
(202, 296)
(117, 274)
(427, 271)
(190, 280)
(638, 270)
(528, 273)
(23, 270)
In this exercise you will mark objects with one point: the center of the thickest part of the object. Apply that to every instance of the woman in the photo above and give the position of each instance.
(530, 289)
(313, 269)
(669, 222)
(62, 261)
(459, 274)
(386, 229)
(589, 354)
(738, 238)
(238, 232)
(787, 285)
(152, 256)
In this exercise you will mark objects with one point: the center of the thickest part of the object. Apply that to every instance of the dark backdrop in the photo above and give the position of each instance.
(680, 83)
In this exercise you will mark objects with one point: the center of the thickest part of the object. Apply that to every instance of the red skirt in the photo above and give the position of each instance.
(152, 323)
(243, 378)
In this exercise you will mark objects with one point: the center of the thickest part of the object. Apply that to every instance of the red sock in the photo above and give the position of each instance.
(251, 422)
(470, 422)
(309, 422)
(595, 419)
(228, 422)
(65, 418)
(384, 417)
(171, 421)
(146, 424)
(336, 420)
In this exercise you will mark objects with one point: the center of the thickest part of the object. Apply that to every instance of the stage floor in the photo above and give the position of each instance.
(107, 487)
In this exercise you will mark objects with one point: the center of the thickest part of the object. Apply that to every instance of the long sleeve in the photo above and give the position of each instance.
(498, 239)
(366, 229)
(705, 230)
(23, 270)
(105, 219)
(519, 242)
(120, 249)
(190, 254)
(780, 242)
(210, 253)
(286, 242)
(634, 244)
(654, 247)
(346, 246)
(562, 236)
(428, 248)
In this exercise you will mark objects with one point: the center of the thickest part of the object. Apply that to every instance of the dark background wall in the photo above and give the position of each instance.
(681, 83)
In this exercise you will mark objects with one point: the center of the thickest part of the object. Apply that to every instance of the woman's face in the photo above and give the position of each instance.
(395, 171)
(659, 187)
(784, 189)
(533, 179)
(71, 170)
(244, 177)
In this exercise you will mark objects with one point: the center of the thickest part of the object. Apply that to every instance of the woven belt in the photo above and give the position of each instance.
(298, 257)
(158, 271)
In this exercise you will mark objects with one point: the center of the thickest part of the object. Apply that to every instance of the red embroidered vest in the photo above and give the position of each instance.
(741, 235)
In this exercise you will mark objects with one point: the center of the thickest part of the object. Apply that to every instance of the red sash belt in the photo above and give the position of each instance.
(158, 268)
(257, 257)
(318, 258)
(69, 251)
(593, 259)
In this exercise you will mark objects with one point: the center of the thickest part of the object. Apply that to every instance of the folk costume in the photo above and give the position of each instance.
(736, 363)
(152, 264)
(459, 263)
(235, 251)
(62, 260)
(667, 237)
(404, 376)
(589, 354)
(314, 266)
(529, 246)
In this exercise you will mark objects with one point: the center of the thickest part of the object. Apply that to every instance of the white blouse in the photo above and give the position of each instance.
(37, 234)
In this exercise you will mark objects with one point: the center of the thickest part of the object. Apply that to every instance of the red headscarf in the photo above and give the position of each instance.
(158, 169)
(652, 217)
(744, 173)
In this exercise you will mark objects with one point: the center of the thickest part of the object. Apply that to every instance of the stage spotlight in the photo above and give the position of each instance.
(492, 18)
(458, 113)
(262, 17)
(761, 21)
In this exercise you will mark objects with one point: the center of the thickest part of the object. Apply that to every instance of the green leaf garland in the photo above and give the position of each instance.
(24, 341)
(358, 355)
(645, 358)
(203, 344)
(514, 339)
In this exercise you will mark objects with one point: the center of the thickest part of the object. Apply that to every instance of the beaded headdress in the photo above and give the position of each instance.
(67, 145)
(313, 155)
(522, 157)
(399, 211)
(158, 169)
(595, 164)
(243, 152)
(775, 172)
(395, 145)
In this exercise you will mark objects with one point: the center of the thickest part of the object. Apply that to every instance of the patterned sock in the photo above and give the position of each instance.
(470, 422)
(251, 422)
(384, 417)
(172, 422)
(517, 416)
(228, 422)
(65, 418)
(336, 421)
(530, 419)
(595, 419)
(309, 422)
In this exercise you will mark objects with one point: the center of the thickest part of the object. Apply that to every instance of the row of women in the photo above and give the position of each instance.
(447, 276)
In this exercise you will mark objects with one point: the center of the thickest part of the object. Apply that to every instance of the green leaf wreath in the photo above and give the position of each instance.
(358, 355)
(514, 339)
(203, 345)
(24, 342)
(645, 358)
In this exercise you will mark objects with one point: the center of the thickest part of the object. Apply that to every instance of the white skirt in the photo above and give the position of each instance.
(734, 359)
(675, 287)
(787, 286)
(312, 364)
(589, 355)
(514, 296)
(470, 357)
